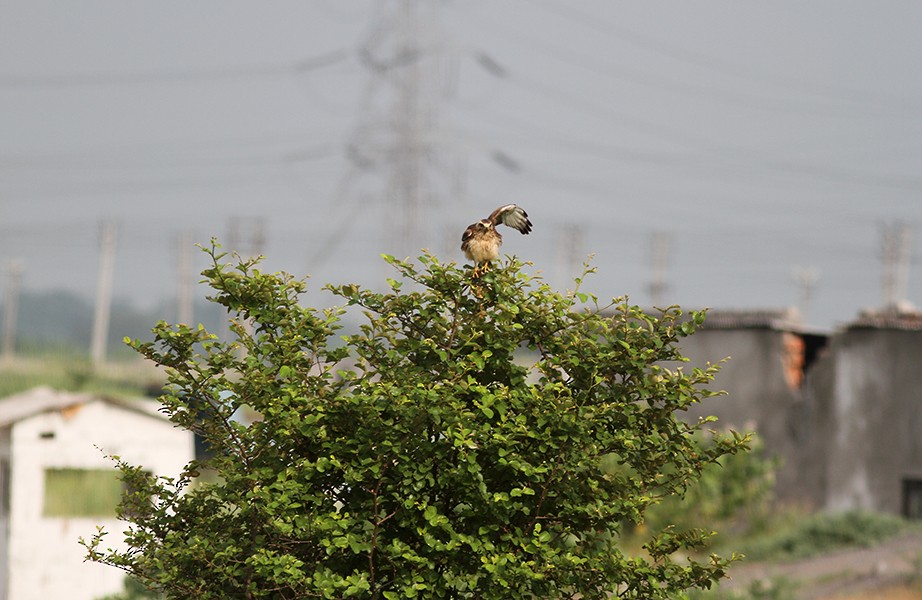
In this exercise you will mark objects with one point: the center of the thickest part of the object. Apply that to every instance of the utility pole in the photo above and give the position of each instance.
(569, 252)
(896, 254)
(246, 247)
(660, 249)
(103, 293)
(805, 278)
(10, 309)
(184, 311)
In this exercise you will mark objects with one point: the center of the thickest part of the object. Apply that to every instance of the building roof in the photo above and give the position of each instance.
(898, 316)
(45, 399)
(780, 319)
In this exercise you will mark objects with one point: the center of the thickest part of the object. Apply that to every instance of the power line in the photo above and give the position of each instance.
(749, 156)
(719, 65)
(649, 79)
(585, 105)
(199, 75)
(139, 186)
(85, 160)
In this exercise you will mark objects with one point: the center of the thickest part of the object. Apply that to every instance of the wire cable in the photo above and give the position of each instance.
(174, 76)
(719, 65)
(649, 79)
(744, 155)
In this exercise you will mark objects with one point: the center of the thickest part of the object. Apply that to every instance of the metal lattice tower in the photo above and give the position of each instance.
(399, 139)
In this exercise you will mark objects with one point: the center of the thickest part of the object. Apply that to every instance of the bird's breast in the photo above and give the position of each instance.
(483, 247)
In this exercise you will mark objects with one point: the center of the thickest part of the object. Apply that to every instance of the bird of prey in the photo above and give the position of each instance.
(480, 242)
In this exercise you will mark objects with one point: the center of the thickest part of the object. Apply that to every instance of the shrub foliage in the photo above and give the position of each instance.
(474, 438)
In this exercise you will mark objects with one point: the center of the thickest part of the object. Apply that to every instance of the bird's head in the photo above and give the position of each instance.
(484, 225)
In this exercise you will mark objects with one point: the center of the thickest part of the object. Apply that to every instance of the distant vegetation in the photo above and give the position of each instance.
(59, 324)
(53, 334)
(824, 532)
(77, 375)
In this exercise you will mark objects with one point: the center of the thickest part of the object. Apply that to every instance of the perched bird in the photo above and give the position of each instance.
(480, 242)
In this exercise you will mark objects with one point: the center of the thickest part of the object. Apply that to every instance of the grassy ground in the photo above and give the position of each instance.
(821, 533)
(827, 556)
(899, 592)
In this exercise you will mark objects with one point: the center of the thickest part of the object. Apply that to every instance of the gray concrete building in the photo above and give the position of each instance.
(766, 376)
(842, 411)
(869, 410)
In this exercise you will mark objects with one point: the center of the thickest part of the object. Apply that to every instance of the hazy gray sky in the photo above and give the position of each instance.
(758, 136)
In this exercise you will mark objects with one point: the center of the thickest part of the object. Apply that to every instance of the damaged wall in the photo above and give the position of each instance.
(765, 380)
(870, 408)
(842, 412)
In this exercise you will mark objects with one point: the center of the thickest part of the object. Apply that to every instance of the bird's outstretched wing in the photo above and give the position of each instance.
(511, 216)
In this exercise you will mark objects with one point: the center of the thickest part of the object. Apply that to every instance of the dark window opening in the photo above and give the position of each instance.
(801, 351)
(814, 345)
(912, 498)
(5, 475)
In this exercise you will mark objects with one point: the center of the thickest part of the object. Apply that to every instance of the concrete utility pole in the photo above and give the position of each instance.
(660, 249)
(251, 247)
(184, 310)
(569, 253)
(104, 293)
(896, 253)
(805, 278)
(10, 309)
(251, 244)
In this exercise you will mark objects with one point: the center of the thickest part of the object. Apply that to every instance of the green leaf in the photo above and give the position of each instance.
(419, 449)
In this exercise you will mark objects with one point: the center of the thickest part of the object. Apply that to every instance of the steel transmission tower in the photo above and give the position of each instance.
(399, 139)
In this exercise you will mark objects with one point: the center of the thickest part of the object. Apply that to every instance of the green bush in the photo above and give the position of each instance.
(775, 588)
(417, 458)
(133, 590)
(823, 532)
(732, 494)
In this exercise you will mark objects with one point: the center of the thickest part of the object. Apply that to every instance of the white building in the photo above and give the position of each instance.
(57, 484)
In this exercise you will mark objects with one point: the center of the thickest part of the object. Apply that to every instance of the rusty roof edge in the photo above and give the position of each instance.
(44, 399)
